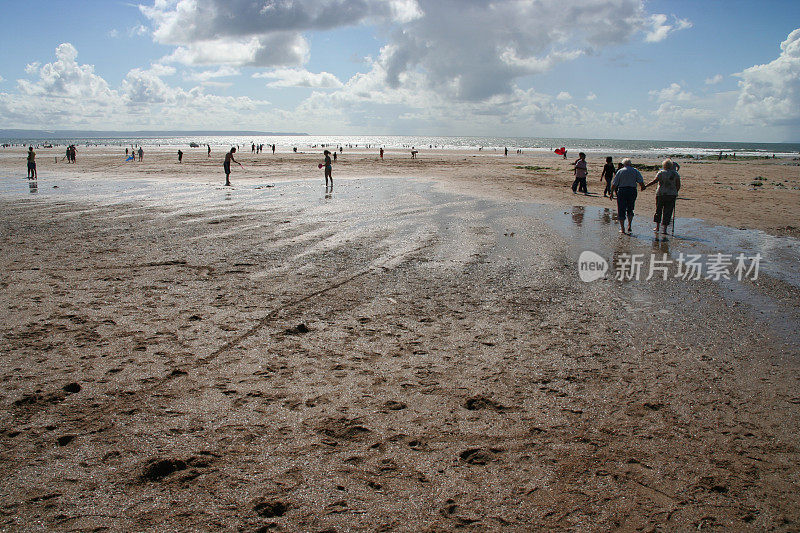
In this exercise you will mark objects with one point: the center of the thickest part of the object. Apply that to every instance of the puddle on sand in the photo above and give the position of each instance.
(596, 229)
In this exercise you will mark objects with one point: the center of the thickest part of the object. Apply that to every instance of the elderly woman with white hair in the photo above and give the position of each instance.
(624, 184)
(669, 183)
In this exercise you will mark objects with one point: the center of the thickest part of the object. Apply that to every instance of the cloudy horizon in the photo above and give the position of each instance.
(622, 69)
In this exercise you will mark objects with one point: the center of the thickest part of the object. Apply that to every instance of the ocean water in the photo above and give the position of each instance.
(487, 145)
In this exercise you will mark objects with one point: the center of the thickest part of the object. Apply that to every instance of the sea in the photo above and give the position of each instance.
(487, 145)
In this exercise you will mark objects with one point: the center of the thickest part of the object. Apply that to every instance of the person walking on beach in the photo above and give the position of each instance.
(180, 156)
(141, 154)
(227, 165)
(580, 174)
(31, 163)
(624, 184)
(608, 175)
(209, 150)
(328, 168)
(381, 153)
(669, 183)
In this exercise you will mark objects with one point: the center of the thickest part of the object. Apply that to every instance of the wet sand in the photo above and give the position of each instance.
(407, 352)
(745, 193)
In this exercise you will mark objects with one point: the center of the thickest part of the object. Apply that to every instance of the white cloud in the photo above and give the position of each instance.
(271, 50)
(207, 75)
(32, 68)
(67, 94)
(300, 78)
(237, 32)
(65, 78)
(679, 119)
(113, 33)
(591, 97)
(474, 50)
(671, 94)
(138, 31)
(180, 22)
(220, 84)
(659, 29)
(145, 87)
(563, 95)
(770, 94)
(162, 70)
(713, 80)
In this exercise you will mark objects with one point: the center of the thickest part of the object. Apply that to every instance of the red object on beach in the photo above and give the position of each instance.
(560, 151)
(320, 165)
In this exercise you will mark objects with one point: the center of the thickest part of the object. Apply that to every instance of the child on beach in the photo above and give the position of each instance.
(608, 175)
(227, 165)
(580, 174)
(328, 168)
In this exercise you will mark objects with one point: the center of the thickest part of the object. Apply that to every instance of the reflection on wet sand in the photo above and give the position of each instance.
(578, 212)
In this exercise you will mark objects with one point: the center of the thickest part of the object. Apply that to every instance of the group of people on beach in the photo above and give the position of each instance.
(71, 153)
(623, 181)
(134, 152)
(258, 148)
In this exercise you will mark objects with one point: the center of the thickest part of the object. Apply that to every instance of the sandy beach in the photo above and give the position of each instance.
(412, 351)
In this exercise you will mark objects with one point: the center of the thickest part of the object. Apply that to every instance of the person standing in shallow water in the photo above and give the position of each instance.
(624, 184)
(31, 163)
(669, 183)
(227, 165)
(328, 168)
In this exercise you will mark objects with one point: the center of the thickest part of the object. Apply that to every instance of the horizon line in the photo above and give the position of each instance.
(5, 132)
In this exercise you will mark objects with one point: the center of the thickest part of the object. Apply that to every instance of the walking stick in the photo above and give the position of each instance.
(673, 217)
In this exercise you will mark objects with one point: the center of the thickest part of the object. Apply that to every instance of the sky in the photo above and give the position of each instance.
(702, 70)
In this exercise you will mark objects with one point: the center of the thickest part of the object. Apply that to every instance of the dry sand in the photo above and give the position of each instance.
(412, 352)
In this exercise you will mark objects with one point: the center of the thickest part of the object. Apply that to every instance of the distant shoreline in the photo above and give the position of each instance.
(482, 145)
